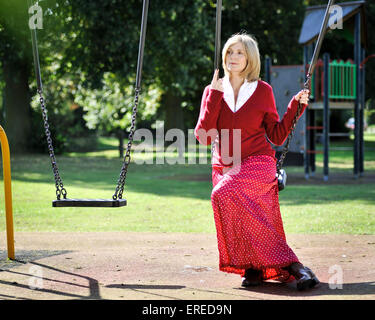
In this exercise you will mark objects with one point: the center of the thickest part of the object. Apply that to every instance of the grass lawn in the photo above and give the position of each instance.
(176, 198)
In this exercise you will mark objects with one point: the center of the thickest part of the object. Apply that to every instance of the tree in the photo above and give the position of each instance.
(177, 52)
(180, 50)
(108, 108)
(275, 24)
(90, 47)
(16, 65)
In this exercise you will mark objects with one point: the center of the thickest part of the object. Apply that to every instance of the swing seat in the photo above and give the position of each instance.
(102, 203)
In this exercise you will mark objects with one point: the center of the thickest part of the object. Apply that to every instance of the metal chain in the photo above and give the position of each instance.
(121, 181)
(286, 147)
(60, 190)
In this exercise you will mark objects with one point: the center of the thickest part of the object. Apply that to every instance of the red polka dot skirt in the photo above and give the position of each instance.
(249, 227)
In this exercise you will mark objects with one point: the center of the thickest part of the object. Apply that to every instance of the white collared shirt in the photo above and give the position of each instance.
(246, 91)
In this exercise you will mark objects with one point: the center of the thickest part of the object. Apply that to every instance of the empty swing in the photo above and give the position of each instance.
(61, 193)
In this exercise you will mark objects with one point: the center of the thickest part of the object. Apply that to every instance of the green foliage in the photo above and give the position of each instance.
(370, 112)
(180, 43)
(89, 49)
(14, 31)
(275, 24)
(110, 107)
(177, 53)
(370, 65)
(68, 129)
(97, 52)
(2, 85)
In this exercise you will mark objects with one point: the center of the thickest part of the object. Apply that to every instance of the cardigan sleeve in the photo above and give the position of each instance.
(209, 113)
(277, 131)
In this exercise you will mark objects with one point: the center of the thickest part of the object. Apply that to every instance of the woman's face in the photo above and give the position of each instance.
(236, 58)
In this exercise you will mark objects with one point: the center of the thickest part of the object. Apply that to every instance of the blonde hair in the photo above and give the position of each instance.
(252, 69)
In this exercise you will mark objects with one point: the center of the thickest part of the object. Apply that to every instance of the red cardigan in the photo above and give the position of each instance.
(257, 118)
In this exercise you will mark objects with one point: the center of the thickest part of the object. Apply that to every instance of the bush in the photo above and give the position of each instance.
(68, 132)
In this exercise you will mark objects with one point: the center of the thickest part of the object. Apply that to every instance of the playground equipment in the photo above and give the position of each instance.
(8, 193)
(336, 84)
(342, 87)
(116, 200)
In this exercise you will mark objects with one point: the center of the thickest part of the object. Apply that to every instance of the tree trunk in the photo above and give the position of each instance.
(17, 105)
(120, 135)
(174, 118)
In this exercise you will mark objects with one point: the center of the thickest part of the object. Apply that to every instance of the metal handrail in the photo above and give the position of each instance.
(342, 80)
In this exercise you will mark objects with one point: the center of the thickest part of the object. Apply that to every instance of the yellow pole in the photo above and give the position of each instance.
(8, 192)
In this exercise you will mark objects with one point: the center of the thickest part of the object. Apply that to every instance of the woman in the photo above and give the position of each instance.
(245, 201)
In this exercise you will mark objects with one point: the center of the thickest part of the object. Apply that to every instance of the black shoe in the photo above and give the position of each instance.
(304, 276)
(252, 278)
(313, 276)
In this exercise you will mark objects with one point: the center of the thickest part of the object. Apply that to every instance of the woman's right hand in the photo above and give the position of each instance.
(217, 84)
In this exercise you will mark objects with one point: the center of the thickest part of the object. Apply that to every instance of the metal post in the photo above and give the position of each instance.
(326, 117)
(218, 34)
(312, 132)
(306, 158)
(8, 193)
(357, 59)
(361, 120)
(312, 144)
(34, 44)
(320, 37)
(142, 38)
(267, 70)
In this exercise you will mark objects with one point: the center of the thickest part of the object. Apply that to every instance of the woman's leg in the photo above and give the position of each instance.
(248, 220)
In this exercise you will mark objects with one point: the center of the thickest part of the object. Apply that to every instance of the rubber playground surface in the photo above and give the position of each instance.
(153, 266)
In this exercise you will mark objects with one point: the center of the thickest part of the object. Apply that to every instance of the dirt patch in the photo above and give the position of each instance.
(149, 266)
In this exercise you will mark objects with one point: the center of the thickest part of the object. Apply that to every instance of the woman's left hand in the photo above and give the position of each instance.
(303, 96)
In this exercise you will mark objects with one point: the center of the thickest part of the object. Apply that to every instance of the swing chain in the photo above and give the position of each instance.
(60, 190)
(121, 181)
(286, 147)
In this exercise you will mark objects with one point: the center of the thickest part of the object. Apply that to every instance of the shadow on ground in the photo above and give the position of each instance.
(323, 289)
(93, 284)
(25, 256)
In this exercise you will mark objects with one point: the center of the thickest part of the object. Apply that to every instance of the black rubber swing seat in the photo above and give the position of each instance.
(107, 203)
